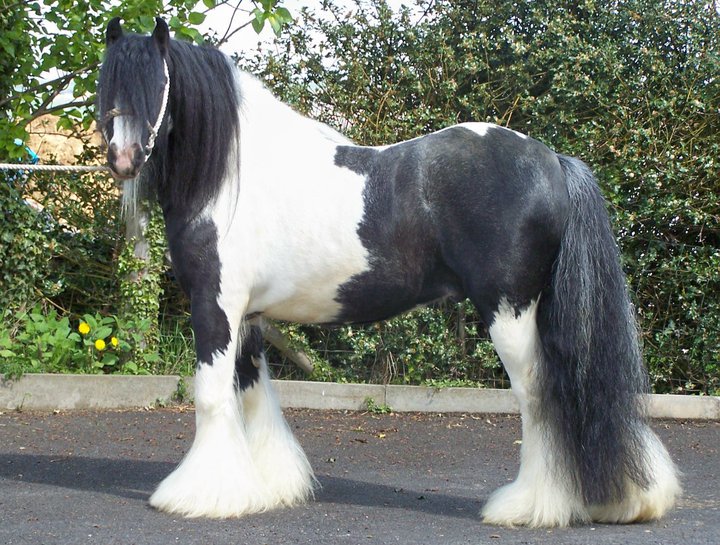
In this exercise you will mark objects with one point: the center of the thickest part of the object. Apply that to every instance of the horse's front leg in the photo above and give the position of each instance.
(244, 458)
(217, 477)
(279, 458)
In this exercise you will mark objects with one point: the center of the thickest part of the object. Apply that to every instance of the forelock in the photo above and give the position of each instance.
(131, 74)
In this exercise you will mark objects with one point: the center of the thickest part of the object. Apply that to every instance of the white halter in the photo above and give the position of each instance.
(155, 128)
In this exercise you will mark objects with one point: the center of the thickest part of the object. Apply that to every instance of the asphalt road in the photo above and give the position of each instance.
(84, 477)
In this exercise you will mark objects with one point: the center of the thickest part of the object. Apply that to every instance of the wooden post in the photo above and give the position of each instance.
(281, 342)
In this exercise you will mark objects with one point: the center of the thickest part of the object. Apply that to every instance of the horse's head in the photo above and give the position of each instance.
(133, 94)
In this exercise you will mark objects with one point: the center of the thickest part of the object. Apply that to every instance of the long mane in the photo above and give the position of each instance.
(202, 145)
(195, 150)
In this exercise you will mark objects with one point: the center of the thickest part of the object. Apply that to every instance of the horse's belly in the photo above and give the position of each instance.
(310, 304)
(301, 282)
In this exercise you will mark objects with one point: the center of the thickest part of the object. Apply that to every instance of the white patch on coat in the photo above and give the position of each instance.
(479, 128)
(288, 224)
(482, 129)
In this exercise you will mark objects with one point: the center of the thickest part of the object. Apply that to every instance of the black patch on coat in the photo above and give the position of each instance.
(193, 248)
(246, 373)
(455, 214)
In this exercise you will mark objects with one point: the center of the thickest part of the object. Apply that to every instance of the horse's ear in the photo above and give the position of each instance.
(161, 35)
(114, 31)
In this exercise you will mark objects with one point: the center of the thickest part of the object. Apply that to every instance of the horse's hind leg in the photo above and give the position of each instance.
(281, 462)
(544, 493)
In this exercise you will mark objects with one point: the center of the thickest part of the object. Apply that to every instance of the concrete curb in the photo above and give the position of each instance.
(50, 392)
(67, 392)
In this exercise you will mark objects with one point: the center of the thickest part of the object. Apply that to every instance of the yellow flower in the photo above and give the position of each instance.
(114, 341)
(100, 345)
(84, 328)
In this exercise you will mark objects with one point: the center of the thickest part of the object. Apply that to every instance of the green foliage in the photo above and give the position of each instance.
(141, 284)
(25, 248)
(268, 12)
(439, 346)
(630, 87)
(57, 239)
(374, 408)
(43, 341)
(66, 255)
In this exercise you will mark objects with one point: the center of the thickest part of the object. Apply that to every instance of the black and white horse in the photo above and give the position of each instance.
(271, 213)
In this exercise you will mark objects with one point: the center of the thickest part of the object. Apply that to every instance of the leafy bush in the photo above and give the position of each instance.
(42, 341)
(629, 87)
(26, 243)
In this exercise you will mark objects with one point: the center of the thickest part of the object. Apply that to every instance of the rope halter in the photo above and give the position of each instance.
(154, 129)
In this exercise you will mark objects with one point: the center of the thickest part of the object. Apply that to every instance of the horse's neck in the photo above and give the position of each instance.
(264, 116)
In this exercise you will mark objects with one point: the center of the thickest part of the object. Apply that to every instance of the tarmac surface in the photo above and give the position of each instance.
(417, 479)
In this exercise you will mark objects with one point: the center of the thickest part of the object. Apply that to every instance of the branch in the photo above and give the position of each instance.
(232, 18)
(52, 109)
(231, 34)
(61, 81)
(12, 6)
(228, 34)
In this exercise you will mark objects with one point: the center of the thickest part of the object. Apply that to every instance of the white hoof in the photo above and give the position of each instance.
(522, 504)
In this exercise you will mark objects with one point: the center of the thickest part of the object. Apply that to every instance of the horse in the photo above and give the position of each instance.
(270, 213)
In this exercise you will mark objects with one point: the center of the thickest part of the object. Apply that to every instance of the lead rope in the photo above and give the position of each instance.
(156, 128)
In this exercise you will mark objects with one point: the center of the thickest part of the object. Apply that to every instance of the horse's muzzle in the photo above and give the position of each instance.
(125, 163)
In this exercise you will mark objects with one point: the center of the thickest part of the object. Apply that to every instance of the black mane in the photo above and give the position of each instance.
(198, 138)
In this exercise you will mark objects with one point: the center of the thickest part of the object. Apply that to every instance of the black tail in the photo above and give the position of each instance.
(591, 370)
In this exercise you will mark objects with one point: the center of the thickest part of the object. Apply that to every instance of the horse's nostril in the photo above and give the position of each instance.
(125, 162)
(112, 153)
(138, 155)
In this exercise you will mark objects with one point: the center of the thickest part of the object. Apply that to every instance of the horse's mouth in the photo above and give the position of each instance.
(122, 177)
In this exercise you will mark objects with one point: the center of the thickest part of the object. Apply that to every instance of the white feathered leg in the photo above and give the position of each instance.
(543, 494)
(217, 478)
(279, 458)
(641, 504)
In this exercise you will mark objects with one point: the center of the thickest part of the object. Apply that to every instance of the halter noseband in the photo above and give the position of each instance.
(152, 129)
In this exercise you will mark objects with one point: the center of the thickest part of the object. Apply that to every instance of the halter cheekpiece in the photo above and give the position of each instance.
(156, 128)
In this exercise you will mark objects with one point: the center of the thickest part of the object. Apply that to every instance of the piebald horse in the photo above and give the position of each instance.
(269, 213)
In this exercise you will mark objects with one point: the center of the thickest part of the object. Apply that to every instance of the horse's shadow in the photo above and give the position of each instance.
(133, 479)
(136, 480)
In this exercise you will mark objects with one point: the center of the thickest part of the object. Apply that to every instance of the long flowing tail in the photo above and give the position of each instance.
(591, 371)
